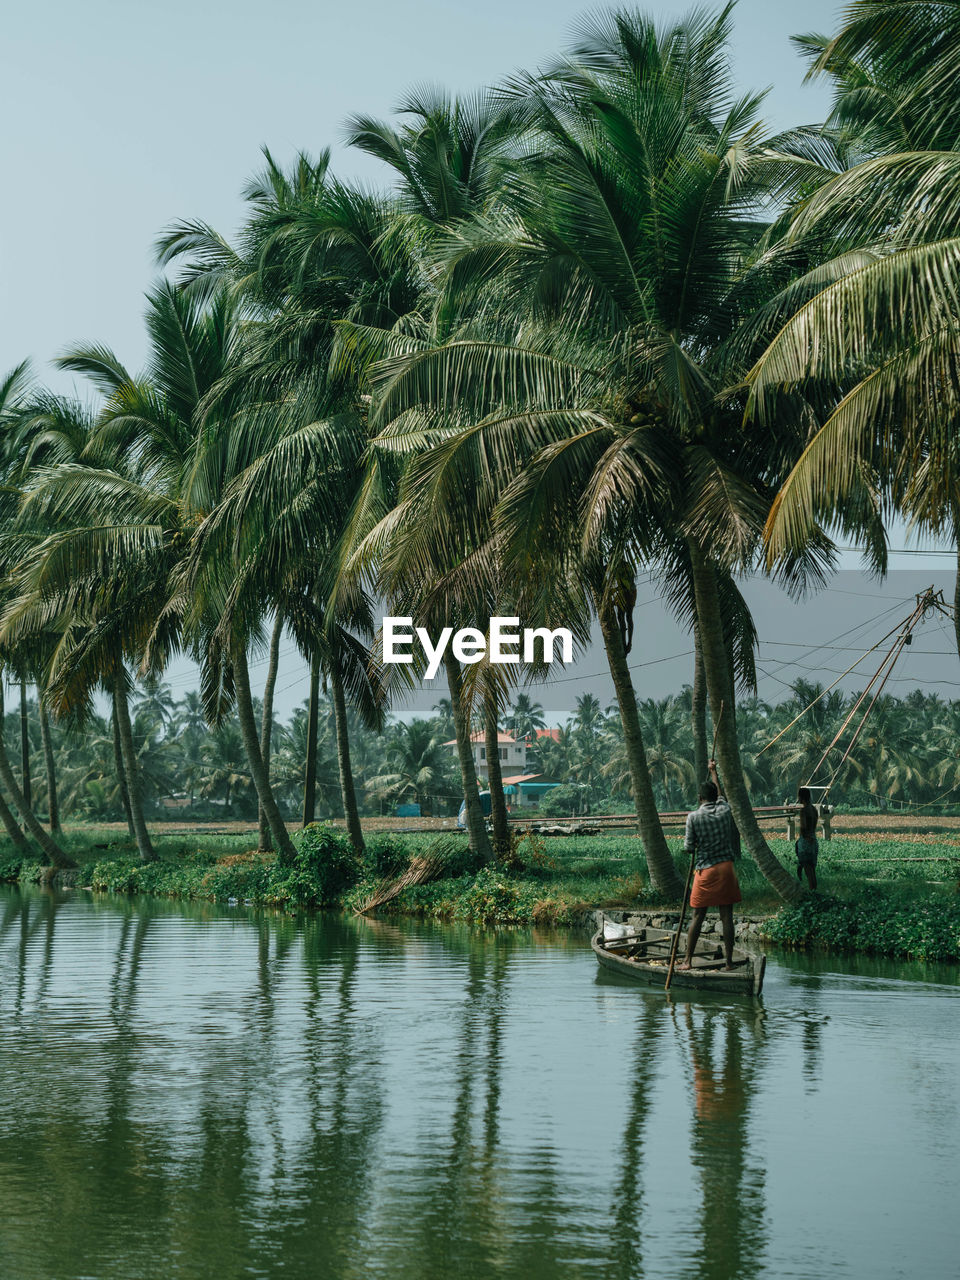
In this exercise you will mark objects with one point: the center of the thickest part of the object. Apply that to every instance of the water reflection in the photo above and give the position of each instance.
(725, 1055)
(189, 1091)
(627, 1206)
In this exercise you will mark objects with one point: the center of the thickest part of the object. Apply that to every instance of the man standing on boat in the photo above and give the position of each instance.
(713, 842)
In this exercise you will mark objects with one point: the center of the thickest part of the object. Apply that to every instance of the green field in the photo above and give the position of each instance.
(892, 895)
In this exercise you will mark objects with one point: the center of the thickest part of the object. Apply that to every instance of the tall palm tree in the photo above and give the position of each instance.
(312, 254)
(869, 364)
(630, 257)
(108, 528)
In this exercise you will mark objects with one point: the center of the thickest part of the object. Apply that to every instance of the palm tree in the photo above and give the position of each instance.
(108, 527)
(664, 732)
(414, 766)
(868, 366)
(605, 421)
(155, 699)
(525, 718)
(312, 254)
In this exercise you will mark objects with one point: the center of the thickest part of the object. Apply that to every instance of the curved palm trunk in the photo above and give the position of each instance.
(698, 711)
(53, 806)
(25, 746)
(265, 842)
(476, 828)
(310, 773)
(498, 801)
(956, 603)
(663, 873)
(128, 754)
(20, 841)
(122, 773)
(351, 813)
(30, 820)
(717, 670)
(251, 744)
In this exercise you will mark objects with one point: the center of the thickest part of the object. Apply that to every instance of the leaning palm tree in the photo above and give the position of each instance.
(104, 533)
(870, 365)
(593, 377)
(313, 253)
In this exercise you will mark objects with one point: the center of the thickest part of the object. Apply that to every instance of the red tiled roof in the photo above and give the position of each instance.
(521, 777)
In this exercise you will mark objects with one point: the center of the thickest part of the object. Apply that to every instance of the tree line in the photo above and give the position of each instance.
(908, 756)
(601, 321)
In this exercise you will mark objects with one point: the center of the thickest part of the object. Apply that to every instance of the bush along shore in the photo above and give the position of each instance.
(895, 898)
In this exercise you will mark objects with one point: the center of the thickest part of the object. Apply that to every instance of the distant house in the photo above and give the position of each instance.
(513, 753)
(525, 790)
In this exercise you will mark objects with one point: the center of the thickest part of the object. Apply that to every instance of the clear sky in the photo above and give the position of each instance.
(119, 117)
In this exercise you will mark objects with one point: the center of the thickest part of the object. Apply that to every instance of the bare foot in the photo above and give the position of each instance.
(729, 968)
(684, 964)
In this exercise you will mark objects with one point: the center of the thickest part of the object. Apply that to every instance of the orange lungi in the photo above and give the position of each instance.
(715, 887)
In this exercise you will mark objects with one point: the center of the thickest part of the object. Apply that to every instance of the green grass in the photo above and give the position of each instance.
(890, 897)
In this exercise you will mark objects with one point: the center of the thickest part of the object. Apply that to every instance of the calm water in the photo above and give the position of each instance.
(200, 1091)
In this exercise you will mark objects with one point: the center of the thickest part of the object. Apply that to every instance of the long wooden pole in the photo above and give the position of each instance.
(686, 887)
(676, 936)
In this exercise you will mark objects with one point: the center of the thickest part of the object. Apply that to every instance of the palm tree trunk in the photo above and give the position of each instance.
(498, 801)
(20, 841)
(310, 774)
(663, 873)
(251, 743)
(956, 603)
(25, 746)
(30, 820)
(128, 755)
(265, 842)
(698, 711)
(122, 773)
(476, 828)
(347, 790)
(717, 670)
(53, 807)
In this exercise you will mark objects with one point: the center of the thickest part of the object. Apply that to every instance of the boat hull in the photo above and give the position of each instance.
(649, 964)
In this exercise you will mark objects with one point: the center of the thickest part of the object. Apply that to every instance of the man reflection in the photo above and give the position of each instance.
(723, 1053)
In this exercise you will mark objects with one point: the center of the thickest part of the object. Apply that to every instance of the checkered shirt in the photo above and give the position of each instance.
(711, 835)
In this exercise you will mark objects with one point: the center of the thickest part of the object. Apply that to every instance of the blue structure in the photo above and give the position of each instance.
(525, 793)
(485, 805)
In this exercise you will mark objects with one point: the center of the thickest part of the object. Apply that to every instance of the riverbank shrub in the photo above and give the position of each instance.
(918, 930)
(324, 868)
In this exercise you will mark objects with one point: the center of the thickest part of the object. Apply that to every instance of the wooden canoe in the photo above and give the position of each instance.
(645, 955)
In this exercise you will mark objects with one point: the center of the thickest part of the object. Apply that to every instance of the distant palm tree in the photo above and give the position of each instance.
(526, 716)
(415, 766)
(155, 699)
(444, 718)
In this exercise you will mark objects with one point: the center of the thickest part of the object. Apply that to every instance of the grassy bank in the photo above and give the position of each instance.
(885, 896)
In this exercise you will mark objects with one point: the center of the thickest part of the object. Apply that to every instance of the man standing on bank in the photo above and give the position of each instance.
(713, 841)
(807, 847)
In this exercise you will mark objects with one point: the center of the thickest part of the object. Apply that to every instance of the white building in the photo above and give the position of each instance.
(513, 754)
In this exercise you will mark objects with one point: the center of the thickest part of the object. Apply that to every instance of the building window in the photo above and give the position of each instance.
(503, 753)
(483, 753)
